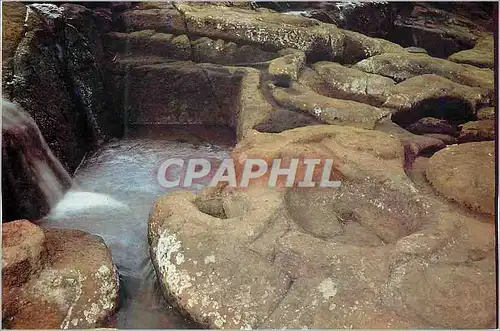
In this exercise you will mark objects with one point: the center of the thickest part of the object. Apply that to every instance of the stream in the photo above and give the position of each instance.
(114, 191)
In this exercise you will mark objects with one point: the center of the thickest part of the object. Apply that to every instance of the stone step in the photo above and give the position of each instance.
(182, 47)
(154, 90)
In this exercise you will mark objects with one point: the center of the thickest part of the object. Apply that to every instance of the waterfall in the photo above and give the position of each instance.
(33, 179)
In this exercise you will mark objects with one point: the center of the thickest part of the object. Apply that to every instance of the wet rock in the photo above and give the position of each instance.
(82, 54)
(337, 81)
(69, 282)
(177, 93)
(477, 131)
(401, 66)
(33, 180)
(38, 85)
(482, 55)
(286, 68)
(447, 139)
(487, 113)
(465, 173)
(434, 96)
(327, 110)
(432, 125)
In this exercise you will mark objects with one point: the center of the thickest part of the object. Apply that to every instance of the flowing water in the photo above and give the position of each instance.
(115, 189)
(34, 180)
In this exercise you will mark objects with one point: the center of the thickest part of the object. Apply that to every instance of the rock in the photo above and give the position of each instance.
(447, 139)
(440, 32)
(434, 96)
(269, 30)
(337, 268)
(487, 113)
(23, 255)
(327, 110)
(413, 49)
(482, 55)
(83, 53)
(282, 119)
(286, 68)
(69, 282)
(453, 304)
(358, 46)
(337, 81)
(167, 20)
(465, 173)
(372, 19)
(13, 16)
(401, 66)
(33, 180)
(253, 106)
(432, 125)
(219, 51)
(477, 131)
(413, 144)
(177, 93)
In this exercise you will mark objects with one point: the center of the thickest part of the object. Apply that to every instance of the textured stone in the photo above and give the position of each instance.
(465, 173)
(328, 110)
(477, 131)
(401, 66)
(482, 55)
(77, 286)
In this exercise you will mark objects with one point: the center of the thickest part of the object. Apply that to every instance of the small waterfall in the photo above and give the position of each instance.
(33, 180)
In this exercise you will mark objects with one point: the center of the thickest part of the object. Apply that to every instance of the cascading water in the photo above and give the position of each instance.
(33, 179)
(117, 187)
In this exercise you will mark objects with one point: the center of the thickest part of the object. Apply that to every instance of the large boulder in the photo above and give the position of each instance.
(477, 131)
(320, 257)
(434, 96)
(465, 173)
(55, 278)
(482, 55)
(337, 81)
(328, 110)
(401, 66)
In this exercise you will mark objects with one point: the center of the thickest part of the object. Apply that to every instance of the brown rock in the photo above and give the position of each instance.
(487, 113)
(432, 125)
(76, 288)
(286, 68)
(434, 96)
(337, 81)
(482, 55)
(477, 131)
(328, 110)
(401, 66)
(465, 173)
